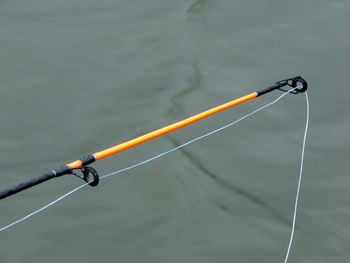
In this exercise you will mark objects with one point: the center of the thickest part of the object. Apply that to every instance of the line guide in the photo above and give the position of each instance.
(90, 175)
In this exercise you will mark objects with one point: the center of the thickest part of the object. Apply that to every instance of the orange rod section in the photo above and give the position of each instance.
(143, 138)
(169, 128)
(75, 164)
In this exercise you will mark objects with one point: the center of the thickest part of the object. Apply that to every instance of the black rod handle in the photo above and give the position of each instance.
(22, 186)
(37, 180)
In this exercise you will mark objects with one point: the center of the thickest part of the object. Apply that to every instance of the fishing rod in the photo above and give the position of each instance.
(91, 176)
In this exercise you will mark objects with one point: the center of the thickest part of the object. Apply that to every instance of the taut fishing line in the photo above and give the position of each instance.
(190, 142)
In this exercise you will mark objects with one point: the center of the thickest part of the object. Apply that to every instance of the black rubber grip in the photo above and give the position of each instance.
(38, 180)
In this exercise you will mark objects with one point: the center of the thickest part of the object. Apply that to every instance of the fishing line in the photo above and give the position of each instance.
(299, 179)
(149, 160)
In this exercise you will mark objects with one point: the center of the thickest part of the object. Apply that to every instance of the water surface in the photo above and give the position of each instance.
(79, 76)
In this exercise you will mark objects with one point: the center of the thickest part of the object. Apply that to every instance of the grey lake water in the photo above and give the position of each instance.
(79, 76)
